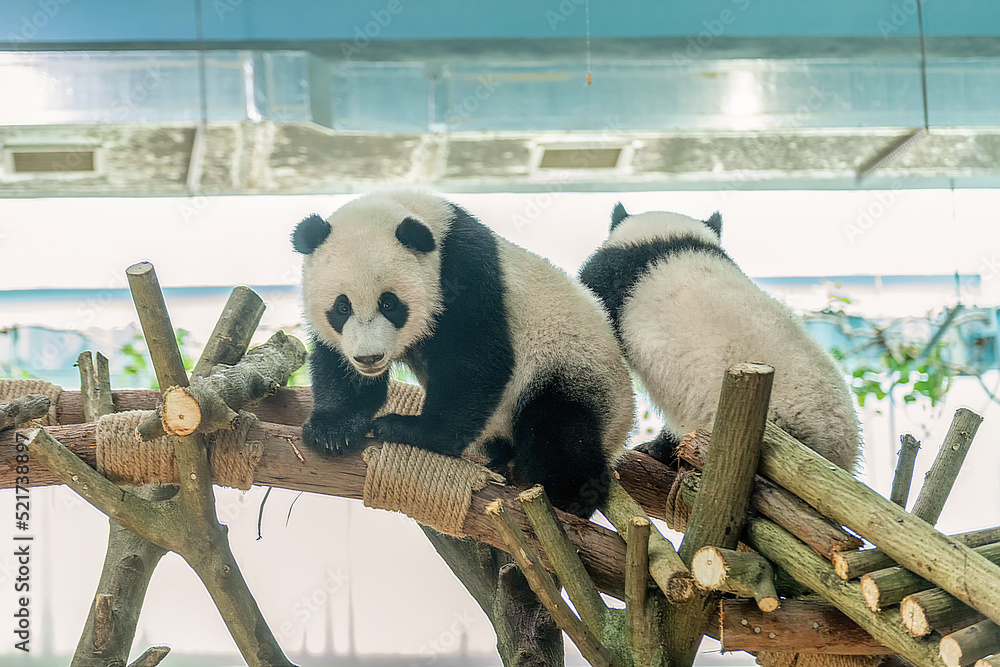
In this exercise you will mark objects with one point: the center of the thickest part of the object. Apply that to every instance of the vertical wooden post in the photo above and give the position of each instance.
(721, 505)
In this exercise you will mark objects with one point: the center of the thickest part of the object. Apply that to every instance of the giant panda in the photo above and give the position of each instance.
(518, 361)
(684, 312)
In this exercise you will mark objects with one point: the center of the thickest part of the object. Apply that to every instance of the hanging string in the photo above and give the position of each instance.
(586, 12)
(923, 62)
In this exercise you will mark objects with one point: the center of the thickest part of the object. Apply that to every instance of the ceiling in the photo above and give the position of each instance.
(245, 96)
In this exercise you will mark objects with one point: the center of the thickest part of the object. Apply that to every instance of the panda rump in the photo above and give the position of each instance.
(684, 312)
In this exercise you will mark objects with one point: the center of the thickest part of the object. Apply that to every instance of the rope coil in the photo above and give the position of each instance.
(125, 460)
(11, 389)
(434, 489)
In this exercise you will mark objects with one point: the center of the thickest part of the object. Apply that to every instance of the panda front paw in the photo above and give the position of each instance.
(336, 436)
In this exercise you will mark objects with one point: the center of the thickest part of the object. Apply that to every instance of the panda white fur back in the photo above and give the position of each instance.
(519, 362)
(684, 312)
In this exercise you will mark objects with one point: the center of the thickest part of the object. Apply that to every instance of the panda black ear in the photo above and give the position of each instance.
(715, 224)
(415, 235)
(617, 215)
(310, 234)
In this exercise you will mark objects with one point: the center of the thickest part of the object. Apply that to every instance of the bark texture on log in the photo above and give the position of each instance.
(22, 410)
(798, 626)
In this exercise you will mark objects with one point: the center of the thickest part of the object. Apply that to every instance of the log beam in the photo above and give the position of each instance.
(799, 626)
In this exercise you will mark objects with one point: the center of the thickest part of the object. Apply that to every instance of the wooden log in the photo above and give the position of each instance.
(884, 588)
(151, 657)
(941, 477)
(720, 508)
(95, 386)
(564, 559)
(204, 543)
(129, 561)
(665, 566)
(738, 572)
(526, 633)
(853, 564)
(781, 548)
(968, 645)
(934, 609)
(211, 403)
(799, 626)
(541, 582)
(232, 333)
(103, 622)
(22, 410)
(903, 477)
(638, 624)
(289, 405)
(287, 463)
(990, 661)
(912, 542)
(794, 515)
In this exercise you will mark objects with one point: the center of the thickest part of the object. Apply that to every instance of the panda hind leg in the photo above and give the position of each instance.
(557, 443)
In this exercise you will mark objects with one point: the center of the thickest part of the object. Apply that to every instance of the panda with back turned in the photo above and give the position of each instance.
(684, 312)
(519, 364)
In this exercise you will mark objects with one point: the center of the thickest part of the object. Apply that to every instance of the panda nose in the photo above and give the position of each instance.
(369, 359)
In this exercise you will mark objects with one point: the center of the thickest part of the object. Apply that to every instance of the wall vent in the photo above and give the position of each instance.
(580, 158)
(48, 160)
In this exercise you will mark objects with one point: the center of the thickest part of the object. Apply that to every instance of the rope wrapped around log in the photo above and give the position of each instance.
(125, 460)
(432, 488)
(11, 389)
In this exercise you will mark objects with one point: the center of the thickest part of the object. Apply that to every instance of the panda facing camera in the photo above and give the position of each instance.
(684, 312)
(519, 364)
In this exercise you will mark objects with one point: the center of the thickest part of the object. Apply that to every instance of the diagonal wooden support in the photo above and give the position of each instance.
(541, 582)
(130, 560)
(564, 559)
(912, 542)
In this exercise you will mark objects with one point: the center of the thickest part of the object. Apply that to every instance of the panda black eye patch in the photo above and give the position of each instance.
(393, 309)
(339, 313)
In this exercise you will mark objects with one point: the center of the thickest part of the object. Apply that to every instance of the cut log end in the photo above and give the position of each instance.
(840, 565)
(680, 588)
(750, 368)
(869, 589)
(914, 619)
(181, 412)
(951, 652)
(709, 568)
(768, 604)
(530, 495)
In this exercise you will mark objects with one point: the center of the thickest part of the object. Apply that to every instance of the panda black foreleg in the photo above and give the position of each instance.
(423, 431)
(344, 402)
(557, 443)
(461, 396)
